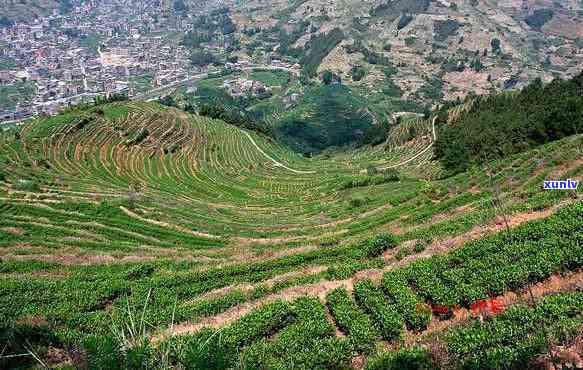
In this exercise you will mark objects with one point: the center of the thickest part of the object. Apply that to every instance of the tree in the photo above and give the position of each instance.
(5, 22)
(495, 43)
(358, 73)
(327, 77)
(168, 101)
(202, 58)
(179, 6)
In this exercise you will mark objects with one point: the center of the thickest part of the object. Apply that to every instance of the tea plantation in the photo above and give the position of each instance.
(134, 235)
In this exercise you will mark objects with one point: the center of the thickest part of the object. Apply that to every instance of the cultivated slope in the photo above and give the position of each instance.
(107, 208)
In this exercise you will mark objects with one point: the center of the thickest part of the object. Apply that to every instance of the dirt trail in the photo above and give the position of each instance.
(480, 231)
(321, 289)
(277, 163)
(269, 283)
(167, 225)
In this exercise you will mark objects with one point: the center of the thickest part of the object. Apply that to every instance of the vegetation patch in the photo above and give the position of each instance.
(536, 115)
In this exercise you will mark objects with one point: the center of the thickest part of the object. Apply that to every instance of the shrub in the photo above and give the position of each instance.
(138, 138)
(358, 73)
(340, 271)
(444, 29)
(404, 21)
(20, 338)
(404, 359)
(402, 253)
(406, 302)
(379, 244)
(308, 343)
(391, 175)
(419, 247)
(355, 323)
(371, 170)
(357, 202)
(375, 303)
(539, 18)
(140, 271)
(203, 350)
(556, 318)
(26, 185)
(257, 324)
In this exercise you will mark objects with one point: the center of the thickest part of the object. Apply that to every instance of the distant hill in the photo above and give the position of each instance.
(435, 49)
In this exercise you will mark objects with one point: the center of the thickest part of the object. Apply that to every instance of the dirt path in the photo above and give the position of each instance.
(277, 163)
(499, 224)
(167, 225)
(318, 290)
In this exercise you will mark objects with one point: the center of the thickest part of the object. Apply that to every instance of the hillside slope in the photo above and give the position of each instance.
(431, 49)
(114, 210)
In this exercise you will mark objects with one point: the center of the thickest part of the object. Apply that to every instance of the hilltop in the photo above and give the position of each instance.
(431, 50)
(128, 228)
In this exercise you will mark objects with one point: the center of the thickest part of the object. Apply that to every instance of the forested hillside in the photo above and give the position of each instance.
(504, 124)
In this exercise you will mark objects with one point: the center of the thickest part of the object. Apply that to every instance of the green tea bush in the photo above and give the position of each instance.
(406, 302)
(376, 304)
(140, 271)
(352, 320)
(341, 271)
(257, 324)
(308, 343)
(513, 338)
(379, 244)
(405, 359)
(402, 253)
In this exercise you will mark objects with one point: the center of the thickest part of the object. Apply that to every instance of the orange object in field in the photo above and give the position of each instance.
(487, 307)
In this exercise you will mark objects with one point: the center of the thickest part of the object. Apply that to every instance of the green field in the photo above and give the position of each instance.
(134, 235)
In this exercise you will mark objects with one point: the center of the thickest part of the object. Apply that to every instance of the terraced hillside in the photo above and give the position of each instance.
(134, 235)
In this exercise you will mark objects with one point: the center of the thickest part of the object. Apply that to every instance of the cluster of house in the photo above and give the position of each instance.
(99, 48)
(239, 87)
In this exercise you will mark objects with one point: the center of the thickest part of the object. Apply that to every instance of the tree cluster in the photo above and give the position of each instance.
(317, 48)
(233, 117)
(508, 123)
